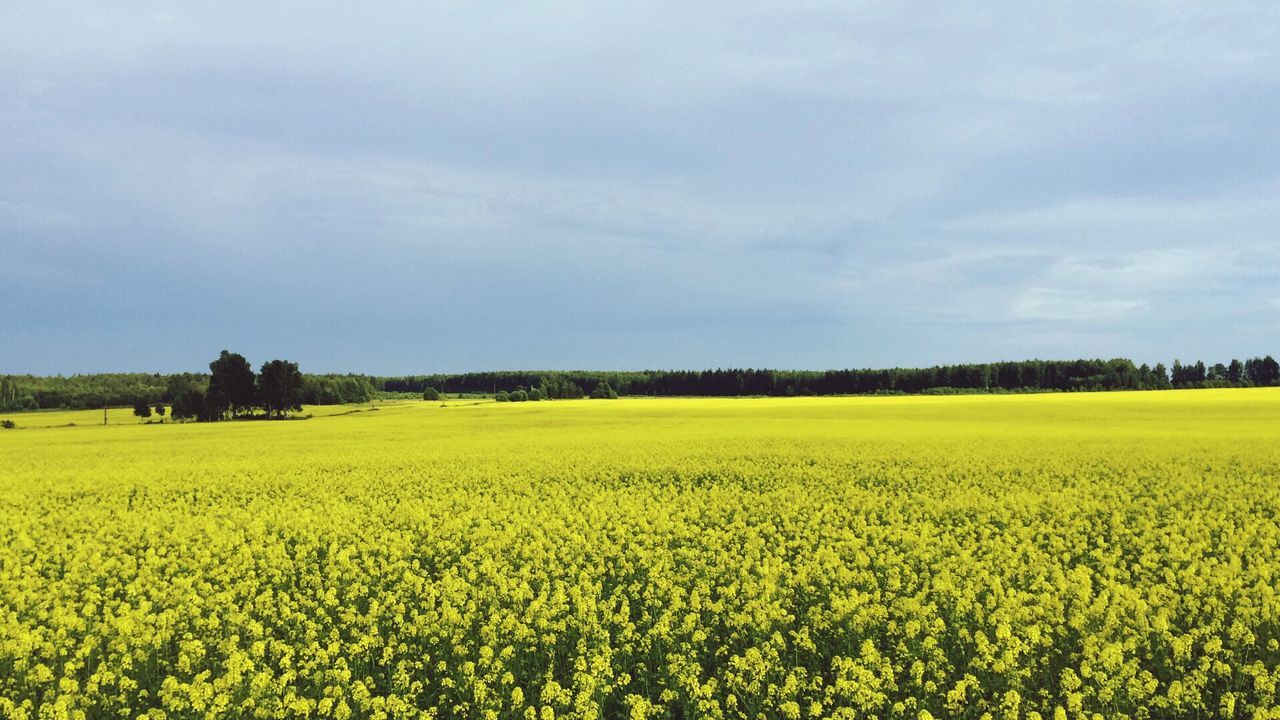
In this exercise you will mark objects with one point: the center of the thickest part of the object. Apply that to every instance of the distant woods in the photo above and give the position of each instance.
(1025, 376)
(232, 389)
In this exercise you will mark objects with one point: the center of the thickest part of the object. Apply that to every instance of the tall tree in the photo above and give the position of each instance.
(1235, 371)
(1161, 376)
(1263, 371)
(186, 398)
(8, 394)
(280, 387)
(231, 385)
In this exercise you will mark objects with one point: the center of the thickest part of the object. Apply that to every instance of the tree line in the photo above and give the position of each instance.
(548, 390)
(1023, 376)
(199, 394)
(221, 392)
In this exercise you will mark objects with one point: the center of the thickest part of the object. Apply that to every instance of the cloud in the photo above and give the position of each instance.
(1070, 306)
(636, 185)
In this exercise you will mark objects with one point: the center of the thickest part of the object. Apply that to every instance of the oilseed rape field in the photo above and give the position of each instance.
(1108, 555)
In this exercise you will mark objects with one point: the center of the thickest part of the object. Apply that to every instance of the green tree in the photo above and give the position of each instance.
(142, 409)
(1217, 373)
(8, 394)
(1235, 371)
(431, 394)
(280, 387)
(604, 392)
(186, 398)
(231, 385)
(1161, 377)
(1197, 372)
(1263, 371)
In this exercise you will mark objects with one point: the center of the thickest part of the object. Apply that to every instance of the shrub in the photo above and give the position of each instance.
(604, 392)
(8, 424)
(502, 396)
(519, 396)
(431, 394)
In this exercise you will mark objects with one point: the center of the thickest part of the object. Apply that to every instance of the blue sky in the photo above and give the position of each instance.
(441, 187)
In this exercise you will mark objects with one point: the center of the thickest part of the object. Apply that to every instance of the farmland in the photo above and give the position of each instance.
(1054, 556)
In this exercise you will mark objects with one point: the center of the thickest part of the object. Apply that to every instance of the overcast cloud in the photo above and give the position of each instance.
(424, 186)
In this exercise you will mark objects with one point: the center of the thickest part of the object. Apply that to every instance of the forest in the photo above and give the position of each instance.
(229, 388)
(31, 392)
(1023, 376)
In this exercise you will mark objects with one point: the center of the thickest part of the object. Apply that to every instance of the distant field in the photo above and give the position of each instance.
(125, 416)
(1056, 556)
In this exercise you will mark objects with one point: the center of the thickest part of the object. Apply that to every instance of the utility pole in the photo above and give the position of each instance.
(104, 413)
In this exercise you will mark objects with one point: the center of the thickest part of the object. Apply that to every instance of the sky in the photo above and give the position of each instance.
(422, 187)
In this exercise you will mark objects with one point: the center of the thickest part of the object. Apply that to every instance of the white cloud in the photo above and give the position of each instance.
(983, 177)
(1071, 306)
(1229, 218)
(1144, 271)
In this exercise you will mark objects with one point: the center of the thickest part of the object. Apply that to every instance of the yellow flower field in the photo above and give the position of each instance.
(1054, 556)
